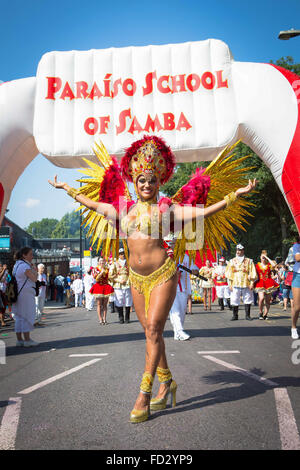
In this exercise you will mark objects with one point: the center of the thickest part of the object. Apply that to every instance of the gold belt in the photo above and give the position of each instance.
(145, 284)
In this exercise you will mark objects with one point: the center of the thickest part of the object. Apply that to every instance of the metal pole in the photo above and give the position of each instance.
(80, 241)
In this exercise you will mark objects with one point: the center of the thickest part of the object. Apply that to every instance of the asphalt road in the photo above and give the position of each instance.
(238, 385)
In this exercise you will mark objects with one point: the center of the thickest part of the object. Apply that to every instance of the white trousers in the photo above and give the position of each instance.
(177, 312)
(244, 292)
(223, 292)
(39, 303)
(89, 300)
(123, 297)
(78, 300)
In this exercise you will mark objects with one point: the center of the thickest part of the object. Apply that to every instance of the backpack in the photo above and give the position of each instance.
(288, 279)
(66, 283)
(11, 291)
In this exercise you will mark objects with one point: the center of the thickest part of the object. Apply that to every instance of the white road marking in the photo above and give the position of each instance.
(57, 377)
(289, 435)
(290, 439)
(9, 424)
(218, 352)
(88, 355)
(242, 371)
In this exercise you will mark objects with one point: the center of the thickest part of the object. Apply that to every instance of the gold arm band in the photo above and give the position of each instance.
(164, 375)
(73, 192)
(146, 383)
(230, 198)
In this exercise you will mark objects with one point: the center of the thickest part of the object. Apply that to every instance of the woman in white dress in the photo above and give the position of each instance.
(24, 309)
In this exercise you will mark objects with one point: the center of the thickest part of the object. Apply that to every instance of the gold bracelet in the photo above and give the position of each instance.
(73, 192)
(230, 198)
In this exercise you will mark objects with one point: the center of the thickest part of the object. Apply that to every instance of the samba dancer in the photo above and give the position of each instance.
(149, 163)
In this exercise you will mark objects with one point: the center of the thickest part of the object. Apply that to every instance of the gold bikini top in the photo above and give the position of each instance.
(147, 218)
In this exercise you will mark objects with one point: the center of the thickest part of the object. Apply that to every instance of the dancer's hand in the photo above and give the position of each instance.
(246, 189)
(58, 185)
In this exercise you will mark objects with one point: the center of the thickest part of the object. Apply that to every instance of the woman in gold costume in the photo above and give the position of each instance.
(149, 163)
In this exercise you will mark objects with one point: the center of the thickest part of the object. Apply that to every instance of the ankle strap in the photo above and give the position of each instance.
(146, 383)
(164, 375)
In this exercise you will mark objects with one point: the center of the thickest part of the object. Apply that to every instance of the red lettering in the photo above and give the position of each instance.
(183, 122)
(129, 87)
(122, 120)
(107, 85)
(67, 92)
(116, 90)
(169, 123)
(163, 78)
(153, 124)
(54, 85)
(193, 82)
(91, 126)
(81, 88)
(135, 126)
(178, 81)
(220, 82)
(95, 92)
(149, 83)
(208, 80)
(104, 120)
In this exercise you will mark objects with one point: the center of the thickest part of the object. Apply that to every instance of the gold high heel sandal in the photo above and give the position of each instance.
(138, 416)
(164, 376)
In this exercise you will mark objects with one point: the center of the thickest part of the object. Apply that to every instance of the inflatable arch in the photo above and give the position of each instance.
(192, 94)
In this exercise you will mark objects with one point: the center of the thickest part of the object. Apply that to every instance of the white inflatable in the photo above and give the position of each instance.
(194, 95)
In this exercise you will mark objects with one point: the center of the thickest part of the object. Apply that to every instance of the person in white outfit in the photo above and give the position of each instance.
(40, 299)
(77, 288)
(88, 281)
(178, 309)
(222, 288)
(24, 309)
(122, 291)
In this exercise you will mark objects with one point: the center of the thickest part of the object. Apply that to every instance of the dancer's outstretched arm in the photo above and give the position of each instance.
(103, 208)
(187, 213)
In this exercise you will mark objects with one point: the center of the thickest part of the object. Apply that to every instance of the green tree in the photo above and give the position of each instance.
(43, 228)
(69, 226)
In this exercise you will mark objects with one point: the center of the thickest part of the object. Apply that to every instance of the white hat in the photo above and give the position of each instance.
(239, 247)
(121, 250)
(222, 258)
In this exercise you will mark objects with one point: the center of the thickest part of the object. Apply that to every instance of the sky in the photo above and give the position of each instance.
(30, 29)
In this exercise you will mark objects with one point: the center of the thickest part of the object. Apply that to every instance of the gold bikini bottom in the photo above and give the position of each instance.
(145, 284)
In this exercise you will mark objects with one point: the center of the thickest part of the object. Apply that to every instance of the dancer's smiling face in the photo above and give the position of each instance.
(147, 187)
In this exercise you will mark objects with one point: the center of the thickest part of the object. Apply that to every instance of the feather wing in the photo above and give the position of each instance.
(104, 184)
(209, 186)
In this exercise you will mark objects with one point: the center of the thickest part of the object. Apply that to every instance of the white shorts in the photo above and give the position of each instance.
(244, 292)
(223, 292)
(123, 297)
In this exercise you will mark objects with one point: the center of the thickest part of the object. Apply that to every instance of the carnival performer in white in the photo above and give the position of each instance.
(88, 282)
(122, 291)
(178, 310)
(40, 299)
(219, 278)
(241, 274)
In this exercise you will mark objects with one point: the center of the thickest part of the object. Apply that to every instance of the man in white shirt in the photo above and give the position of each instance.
(88, 281)
(40, 299)
(77, 288)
